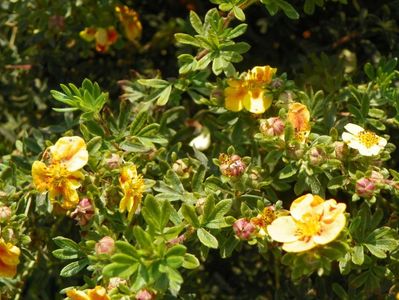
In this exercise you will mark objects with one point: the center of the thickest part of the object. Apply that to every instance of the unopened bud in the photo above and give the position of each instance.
(180, 167)
(272, 127)
(114, 282)
(145, 295)
(243, 228)
(231, 166)
(5, 213)
(365, 187)
(114, 161)
(105, 246)
(316, 156)
(83, 212)
(199, 205)
(341, 150)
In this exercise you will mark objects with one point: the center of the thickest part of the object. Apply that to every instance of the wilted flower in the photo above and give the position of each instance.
(105, 246)
(61, 177)
(114, 282)
(316, 156)
(262, 220)
(132, 185)
(83, 212)
(313, 221)
(5, 213)
(9, 259)
(145, 295)
(243, 228)
(299, 117)
(202, 141)
(365, 187)
(366, 142)
(113, 161)
(340, 149)
(98, 293)
(180, 167)
(272, 127)
(231, 166)
(130, 21)
(250, 93)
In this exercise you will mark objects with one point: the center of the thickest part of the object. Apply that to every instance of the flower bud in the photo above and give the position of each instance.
(145, 295)
(276, 83)
(365, 187)
(113, 162)
(105, 246)
(199, 205)
(272, 127)
(180, 167)
(114, 282)
(341, 150)
(243, 228)
(5, 213)
(83, 212)
(316, 156)
(231, 166)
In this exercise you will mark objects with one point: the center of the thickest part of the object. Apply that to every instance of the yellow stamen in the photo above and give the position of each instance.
(368, 138)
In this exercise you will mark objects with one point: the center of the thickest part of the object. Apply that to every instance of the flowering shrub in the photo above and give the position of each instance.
(141, 196)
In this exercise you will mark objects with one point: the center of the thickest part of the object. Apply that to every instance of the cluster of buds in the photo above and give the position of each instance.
(243, 229)
(83, 212)
(104, 37)
(367, 186)
(105, 246)
(231, 166)
(272, 127)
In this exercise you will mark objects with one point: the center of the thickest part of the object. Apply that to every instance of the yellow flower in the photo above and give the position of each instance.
(88, 34)
(105, 38)
(366, 142)
(9, 259)
(133, 187)
(299, 117)
(130, 20)
(313, 222)
(262, 220)
(98, 293)
(250, 93)
(61, 178)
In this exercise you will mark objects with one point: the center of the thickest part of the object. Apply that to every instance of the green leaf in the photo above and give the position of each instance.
(120, 270)
(207, 238)
(237, 31)
(239, 13)
(142, 237)
(66, 254)
(121, 258)
(74, 268)
(288, 9)
(155, 83)
(198, 178)
(287, 172)
(190, 261)
(369, 70)
(164, 96)
(138, 122)
(126, 248)
(196, 22)
(187, 39)
(65, 243)
(189, 214)
(358, 255)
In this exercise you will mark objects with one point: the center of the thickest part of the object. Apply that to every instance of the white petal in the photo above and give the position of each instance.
(299, 246)
(374, 150)
(283, 229)
(348, 137)
(329, 232)
(382, 142)
(353, 128)
(363, 150)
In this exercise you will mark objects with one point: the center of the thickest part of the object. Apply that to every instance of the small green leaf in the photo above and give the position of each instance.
(190, 261)
(74, 268)
(239, 13)
(164, 96)
(196, 22)
(65, 243)
(189, 214)
(120, 270)
(288, 9)
(358, 255)
(287, 172)
(66, 253)
(207, 238)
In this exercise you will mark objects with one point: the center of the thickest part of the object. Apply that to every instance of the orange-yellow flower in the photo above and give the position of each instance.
(98, 293)
(251, 92)
(299, 117)
(313, 221)
(132, 185)
(61, 178)
(130, 21)
(9, 259)
(88, 34)
(103, 37)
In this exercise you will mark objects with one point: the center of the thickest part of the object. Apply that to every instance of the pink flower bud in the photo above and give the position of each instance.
(114, 282)
(341, 150)
(114, 161)
(232, 166)
(5, 213)
(272, 127)
(365, 187)
(145, 295)
(316, 156)
(83, 212)
(105, 246)
(243, 228)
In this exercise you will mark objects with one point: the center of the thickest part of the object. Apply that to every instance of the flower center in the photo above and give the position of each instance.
(309, 225)
(58, 173)
(368, 138)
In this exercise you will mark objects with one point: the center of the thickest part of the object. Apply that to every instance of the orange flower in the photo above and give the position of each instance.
(98, 293)
(9, 259)
(88, 34)
(130, 21)
(250, 93)
(299, 117)
(132, 186)
(105, 38)
(61, 178)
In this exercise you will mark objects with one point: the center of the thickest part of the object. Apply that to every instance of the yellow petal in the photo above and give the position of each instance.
(98, 293)
(7, 270)
(299, 246)
(262, 75)
(234, 97)
(88, 34)
(258, 102)
(71, 151)
(306, 204)
(40, 176)
(283, 229)
(77, 295)
(329, 232)
(299, 116)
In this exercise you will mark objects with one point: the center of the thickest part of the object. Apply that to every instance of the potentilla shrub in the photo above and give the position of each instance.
(133, 202)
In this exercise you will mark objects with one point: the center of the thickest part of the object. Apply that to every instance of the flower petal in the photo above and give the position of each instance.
(283, 229)
(299, 246)
(353, 128)
(71, 151)
(40, 176)
(348, 137)
(304, 205)
(329, 232)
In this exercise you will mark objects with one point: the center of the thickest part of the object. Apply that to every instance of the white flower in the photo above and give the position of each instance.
(366, 142)
(202, 141)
